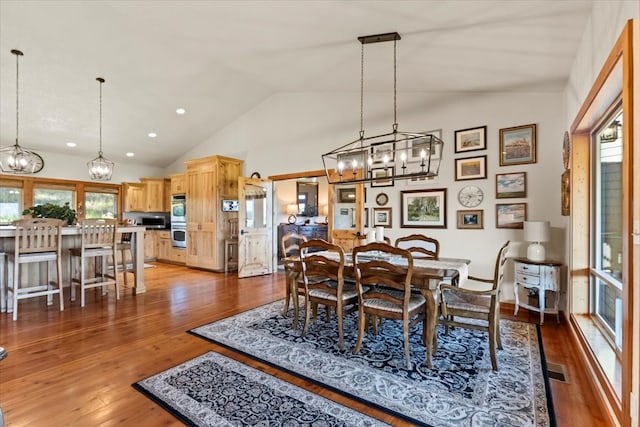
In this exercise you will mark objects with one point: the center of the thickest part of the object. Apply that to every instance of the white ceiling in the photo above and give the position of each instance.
(218, 59)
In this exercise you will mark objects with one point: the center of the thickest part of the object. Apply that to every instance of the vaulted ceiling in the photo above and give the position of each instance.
(218, 59)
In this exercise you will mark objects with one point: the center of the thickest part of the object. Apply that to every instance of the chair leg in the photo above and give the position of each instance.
(60, 286)
(405, 333)
(492, 345)
(340, 330)
(362, 321)
(307, 315)
(115, 274)
(16, 281)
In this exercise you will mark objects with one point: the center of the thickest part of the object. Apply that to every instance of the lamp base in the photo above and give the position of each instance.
(292, 219)
(535, 252)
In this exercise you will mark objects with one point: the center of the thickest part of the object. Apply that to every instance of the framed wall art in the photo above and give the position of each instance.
(518, 145)
(347, 195)
(471, 168)
(382, 217)
(470, 218)
(424, 208)
(471, 139)
(382, 176)
(415, 147)
(511, 185)
(511, 215)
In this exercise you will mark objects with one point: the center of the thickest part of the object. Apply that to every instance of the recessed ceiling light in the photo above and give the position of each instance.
(152, 134)
(181, 111)
(130, 154)
(71, 144)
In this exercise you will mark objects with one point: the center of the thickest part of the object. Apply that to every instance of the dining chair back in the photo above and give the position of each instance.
(419, 245)
(458, 304)
(97, 242)
(290, 246)
(323, 278)
(36, 240)
(390, 295)
(361, 238)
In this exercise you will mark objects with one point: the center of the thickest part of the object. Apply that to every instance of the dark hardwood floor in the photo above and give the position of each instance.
(75, 368)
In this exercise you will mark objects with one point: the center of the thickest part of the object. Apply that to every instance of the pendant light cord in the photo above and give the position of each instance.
(395, 91)
(101, 80)
(17, 53)
(362, 92)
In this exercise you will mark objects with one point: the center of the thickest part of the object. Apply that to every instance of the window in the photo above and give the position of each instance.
(100, 205)
(10, 204)
(606, 225)
(54, 196)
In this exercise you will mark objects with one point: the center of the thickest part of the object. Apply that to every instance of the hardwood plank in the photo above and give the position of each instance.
(85, 360)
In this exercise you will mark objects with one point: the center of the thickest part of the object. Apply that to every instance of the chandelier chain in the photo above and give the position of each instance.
(17, 94)
(395, 91)
(100, 151)
(362, 91)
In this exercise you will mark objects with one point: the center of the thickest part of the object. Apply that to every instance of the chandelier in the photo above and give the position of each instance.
(15, 159)
(386, 157)
(100, 169)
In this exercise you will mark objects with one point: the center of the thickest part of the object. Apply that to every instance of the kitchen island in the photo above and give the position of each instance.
(71, 239)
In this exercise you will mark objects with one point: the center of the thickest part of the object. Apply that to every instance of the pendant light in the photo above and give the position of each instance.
(100, 169)
(15, 159)
(386, 157)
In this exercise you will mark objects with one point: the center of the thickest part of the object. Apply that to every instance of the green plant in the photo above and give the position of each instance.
(49, 210)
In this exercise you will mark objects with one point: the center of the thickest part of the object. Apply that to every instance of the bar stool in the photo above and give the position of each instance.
(36, 240)
(231, 246)
(124, 247)
(98, 241)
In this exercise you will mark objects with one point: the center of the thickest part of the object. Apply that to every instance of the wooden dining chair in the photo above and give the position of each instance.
(459, 303)
(37, 240)
(97, 242)
(361, 238)
(323, 279)
(290, 244)
(390, 295)
(419, 245)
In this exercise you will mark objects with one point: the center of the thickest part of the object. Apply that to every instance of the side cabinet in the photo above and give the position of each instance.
(309, 231)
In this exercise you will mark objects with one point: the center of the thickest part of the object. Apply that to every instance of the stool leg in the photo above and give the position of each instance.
(3, 284)
(16, 280)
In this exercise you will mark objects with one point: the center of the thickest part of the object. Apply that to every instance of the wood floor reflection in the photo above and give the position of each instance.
(75, 368)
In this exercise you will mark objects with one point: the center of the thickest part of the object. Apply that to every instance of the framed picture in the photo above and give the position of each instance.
(511, 185)
(356, 158)
(472, 219)
(471, 139)
(382, 149)
(415, 147)
(366, 218)
(566, 193)
(347, 195)
(382, 217)
(518, 145)
(511, 215)
(471, 168)
(423, 180)
(424, 208)
(382, 176)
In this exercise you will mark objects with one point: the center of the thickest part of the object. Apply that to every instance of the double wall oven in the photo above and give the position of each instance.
(179, 221)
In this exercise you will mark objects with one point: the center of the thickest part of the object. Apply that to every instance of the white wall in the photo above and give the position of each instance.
(290, 131)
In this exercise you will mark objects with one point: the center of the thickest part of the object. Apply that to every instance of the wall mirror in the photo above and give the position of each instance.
(307, 194)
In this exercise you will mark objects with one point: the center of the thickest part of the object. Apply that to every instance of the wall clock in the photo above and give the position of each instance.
(470, 196)
(382, 199)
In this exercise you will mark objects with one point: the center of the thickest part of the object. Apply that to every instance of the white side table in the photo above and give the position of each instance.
(542, 276)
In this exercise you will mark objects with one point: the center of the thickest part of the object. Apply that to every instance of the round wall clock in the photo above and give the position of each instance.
(470, 196)
(382, 199)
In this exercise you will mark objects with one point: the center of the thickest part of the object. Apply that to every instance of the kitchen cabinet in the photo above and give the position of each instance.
(150, 246)
(148, 195)
(208, 181)
(178, 184)
(165, 250)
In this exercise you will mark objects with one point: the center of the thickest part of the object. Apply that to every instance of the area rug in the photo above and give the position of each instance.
(460, 390)
(213, 390)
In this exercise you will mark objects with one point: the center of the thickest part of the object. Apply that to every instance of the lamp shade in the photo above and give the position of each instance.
(292, 209)
(536, 232)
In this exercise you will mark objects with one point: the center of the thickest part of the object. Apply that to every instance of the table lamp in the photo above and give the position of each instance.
(536, 232)
(292, 210)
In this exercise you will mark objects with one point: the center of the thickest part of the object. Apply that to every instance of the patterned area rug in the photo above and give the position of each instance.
(460, 390)
(213, 390)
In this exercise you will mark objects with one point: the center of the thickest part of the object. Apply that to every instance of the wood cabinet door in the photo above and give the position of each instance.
(178, 184)
(149, 246)
(154, 195)
(202, 245)
(134, 197)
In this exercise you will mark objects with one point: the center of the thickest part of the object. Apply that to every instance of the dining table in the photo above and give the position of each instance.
(428, 273)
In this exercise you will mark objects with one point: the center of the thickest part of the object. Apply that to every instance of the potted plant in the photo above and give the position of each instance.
(49, 210)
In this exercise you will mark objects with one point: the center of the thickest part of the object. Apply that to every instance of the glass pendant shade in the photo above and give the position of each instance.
(100, 169)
